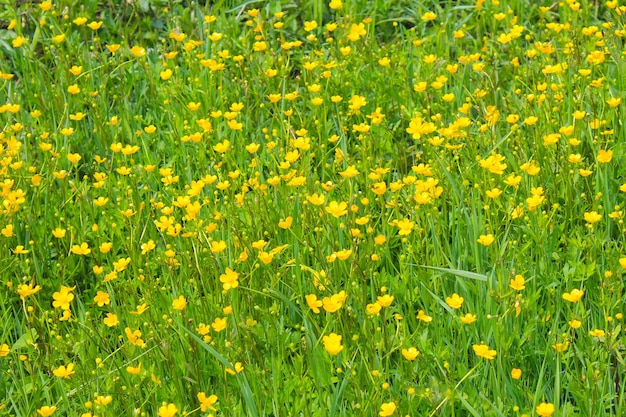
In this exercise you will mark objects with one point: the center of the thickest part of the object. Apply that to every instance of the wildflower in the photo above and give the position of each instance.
(313, 303)
(483, 351)
(46, 410)
(517, 283)
(545, 409)
(493, 163)
(332, 343)
(429, 16)
(82, 249)
(335, 302)
(18, 41)
(285, 223)
(179, 303)
(95, 25)
(387, 409)
(219, 324)
(19, 250)
(486, 240)
(229, 279)
(238, 368)
(63, 298)
(111, 320)
(516, 373)
(574, 324)
(574, 296)
(373, 309)
(64, 371)
(218, 246)
(26, 290)
(455, 301)
(422, 316)
(335, 4)
(167, 410)
(605, 156)
(410, 354)
(102, 298)
(4, 350)
(350, 172)
(468, 318)
(134, 370)
(405, 226)
(385, 300)
(356, 31)
(561, 346)
(597, 333)
(337, 209)
(206, 403)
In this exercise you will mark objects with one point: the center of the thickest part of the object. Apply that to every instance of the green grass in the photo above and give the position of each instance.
(291, 184)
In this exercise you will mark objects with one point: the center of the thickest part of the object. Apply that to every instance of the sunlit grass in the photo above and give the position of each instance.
(324, 209)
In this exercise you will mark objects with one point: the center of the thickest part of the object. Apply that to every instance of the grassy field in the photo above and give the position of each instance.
(279, 208)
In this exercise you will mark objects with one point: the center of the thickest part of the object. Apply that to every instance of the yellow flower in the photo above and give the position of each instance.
(218, 246)
(179, 303)
(410, 354)
(486, 240)
(95, 25)
(26, 290)
(614, 101)
(167, 410)
(373, 309)
(387, 409)
(422, 316)
(517, 283)
(561, 346)
(575, 324)
(73, 89)
(332, 343)
(335, 4)
(46, 410)
(63, 298)
(18, 41)
(102, 298)
(337, 209)
(238, 368)
(313, 303)
(334, 302)
(429, 16)
(285, 223)
(64, 371)
(134, 370)
(111, 320)
(166, 75)
(229, 279)
(405, 226)
(605, 156)
(574, 296)
(483, 351)
(597, 333)
(516, 373)
(82, 249)
(385, 300)
(468, 318)
(350, 172)
(4, 350)
(455, 301)
(206, 403)
(138, 51)
(545, 409)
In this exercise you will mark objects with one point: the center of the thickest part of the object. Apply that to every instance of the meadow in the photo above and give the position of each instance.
(312, 208)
